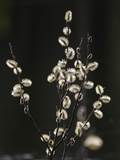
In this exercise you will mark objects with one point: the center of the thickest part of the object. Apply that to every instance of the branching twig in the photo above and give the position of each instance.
(69, 79)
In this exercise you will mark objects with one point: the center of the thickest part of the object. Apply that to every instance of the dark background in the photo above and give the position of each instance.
(33, 27)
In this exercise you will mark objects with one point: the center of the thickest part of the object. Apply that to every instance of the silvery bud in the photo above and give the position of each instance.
(98, 114)
(11, 63)
(97, 104)
(63, 41)
(99, 89)
(74, 88)
(105, 99)
(17, 70)
(51, 78)
(59, 131)
(92, 66)
(26, 82)
(68, 16)
(66, 102)
(88, 84)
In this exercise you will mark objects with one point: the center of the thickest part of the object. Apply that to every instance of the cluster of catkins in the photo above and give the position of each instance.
(71, 76)
(73, 79)
(19, 88)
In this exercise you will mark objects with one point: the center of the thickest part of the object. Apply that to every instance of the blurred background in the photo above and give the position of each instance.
(33, 27)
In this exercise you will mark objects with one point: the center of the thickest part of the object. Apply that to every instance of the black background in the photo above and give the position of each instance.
(33, 27)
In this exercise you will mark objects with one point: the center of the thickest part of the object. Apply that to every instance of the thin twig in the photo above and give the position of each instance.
(64, 151)
(69, 126)
(11, 51)
(26, 106)
(34, 122)
(88, 118)
(61, 97)
(78, 49)
(72, 116)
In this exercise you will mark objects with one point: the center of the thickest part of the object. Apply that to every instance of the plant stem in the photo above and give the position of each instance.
(64, 151)
(11, 51)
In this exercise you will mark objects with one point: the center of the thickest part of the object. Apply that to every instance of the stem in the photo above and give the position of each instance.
(11, 51)
(58, 124)
(64, 151)
(78, 49)
(26, 105)
(72, 117)
(69, 126)
(60, 99)
(36, 126)
(34, 122)
(89, 56)
(89, 116)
